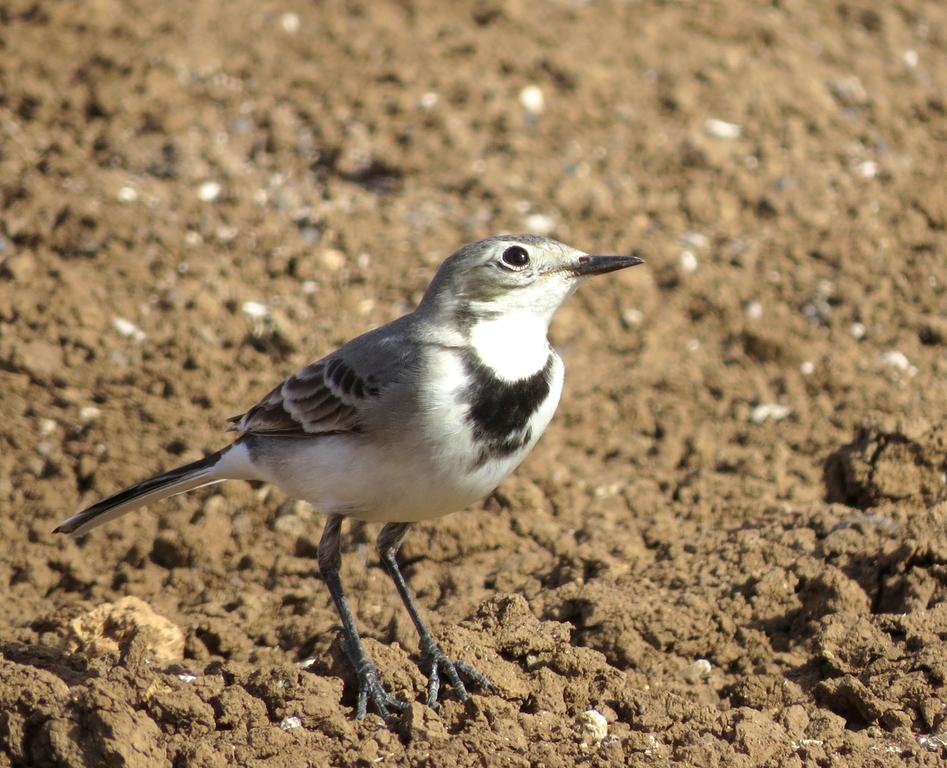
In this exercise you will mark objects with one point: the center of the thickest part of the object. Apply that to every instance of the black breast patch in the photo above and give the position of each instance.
(499, 410)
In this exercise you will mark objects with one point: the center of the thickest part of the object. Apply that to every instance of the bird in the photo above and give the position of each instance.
(412, 420)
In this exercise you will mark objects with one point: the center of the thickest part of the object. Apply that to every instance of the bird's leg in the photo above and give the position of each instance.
(369, 686)
(434, 662)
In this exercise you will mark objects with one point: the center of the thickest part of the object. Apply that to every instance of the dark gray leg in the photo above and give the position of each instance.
(433, 660)
(369, 687)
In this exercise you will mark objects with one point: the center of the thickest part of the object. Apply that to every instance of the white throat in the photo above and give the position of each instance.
(513, 344)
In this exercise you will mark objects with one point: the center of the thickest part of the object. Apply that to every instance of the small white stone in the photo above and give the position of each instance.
(632, 317)
(896, 359)
(766, 411)
(127, 195)
(309, 287)
(89, 413)
(910, 58)
(288, 723)
(532, 99)
(754, 310)
(47, 426)
(702, 668)
(806, 743)
(695, 240)
(857, 331)
(332, 259)
(226, 233)
(593, 727)
(654, 745)
(187, 677)
(306, 663)
(688, 261)
(428, 101)
(721, 129)
(128, 329)
(255, 309)
(867, 169)
(807, 368)
(209, 191)
(693, 345)
(290, 23)
(540, 223)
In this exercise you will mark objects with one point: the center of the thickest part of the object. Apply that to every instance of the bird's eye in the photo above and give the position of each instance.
(515, 256)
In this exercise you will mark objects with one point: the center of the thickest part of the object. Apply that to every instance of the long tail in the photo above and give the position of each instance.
(211, 469)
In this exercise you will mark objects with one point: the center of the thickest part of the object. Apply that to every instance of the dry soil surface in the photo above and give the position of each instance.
(731, 542)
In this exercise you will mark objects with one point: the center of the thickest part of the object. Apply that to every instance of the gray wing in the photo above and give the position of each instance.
(331, 394)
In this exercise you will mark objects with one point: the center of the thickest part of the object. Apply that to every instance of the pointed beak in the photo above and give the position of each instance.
(599, 265)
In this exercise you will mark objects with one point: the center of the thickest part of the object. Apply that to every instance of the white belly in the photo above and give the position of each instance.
(405, 472)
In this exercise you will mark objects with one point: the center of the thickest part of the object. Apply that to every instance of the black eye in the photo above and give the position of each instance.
(515, 256)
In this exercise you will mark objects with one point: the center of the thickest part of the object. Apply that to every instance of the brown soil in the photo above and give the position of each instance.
(725, 589)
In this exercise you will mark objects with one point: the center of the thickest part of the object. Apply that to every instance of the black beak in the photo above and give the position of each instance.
(599, 265)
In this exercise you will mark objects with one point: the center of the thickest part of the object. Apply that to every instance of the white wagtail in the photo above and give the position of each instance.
(415, 419)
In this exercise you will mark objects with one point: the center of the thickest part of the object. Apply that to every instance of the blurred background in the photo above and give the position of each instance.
(732, 541)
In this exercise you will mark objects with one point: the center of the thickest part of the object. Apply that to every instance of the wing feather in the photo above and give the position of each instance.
(322, 397)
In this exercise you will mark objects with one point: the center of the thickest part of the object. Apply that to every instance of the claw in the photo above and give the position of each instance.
(371, 689)
(435, 662)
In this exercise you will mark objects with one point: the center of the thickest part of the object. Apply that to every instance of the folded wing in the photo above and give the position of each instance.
(322, 398)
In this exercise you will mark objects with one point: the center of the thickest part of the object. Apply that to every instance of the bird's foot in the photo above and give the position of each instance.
(371, 690)
(434, 664)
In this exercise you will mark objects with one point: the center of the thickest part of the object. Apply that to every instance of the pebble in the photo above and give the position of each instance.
(688, 261)
(593, 727)
(702, 667)
(933, 742)
(187, 677)
(128, 329)
(896, 359)
(288, 723)
(290, 23)
(695, 240)
(867, 169)
(89, 413)
(332, 259)
(255, 309)
(428, 101)
(127, 195)
(47, 426)
(721, 129)
(209, 191)
(754, 310)
(540, 223)
(857, 331)
(532, 99)
(848, 91)
(807, 368)
(765, 411)
(910, 58)
(632, 317)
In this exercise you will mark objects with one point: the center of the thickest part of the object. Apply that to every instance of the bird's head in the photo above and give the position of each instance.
(509, 274)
